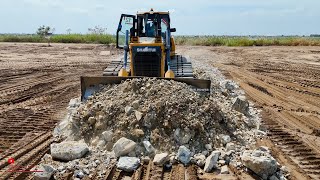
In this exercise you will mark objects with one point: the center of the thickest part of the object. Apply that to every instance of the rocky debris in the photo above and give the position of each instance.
(184, 155)
(182, 136)
(211, 161)
(161, 159)
(123, 147)
(260, 162)
(224, 169)
(241, 105)
(45, 174)
(229, 85)
(225, 139)
(128, 164)
(128, 110)
(68, 150)
(230, 146)
(138, 115)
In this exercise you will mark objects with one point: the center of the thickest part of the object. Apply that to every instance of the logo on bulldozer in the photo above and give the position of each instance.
(146, 49)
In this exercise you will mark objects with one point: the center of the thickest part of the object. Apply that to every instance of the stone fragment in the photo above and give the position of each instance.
(123, 147)
(161, 159)
(182, 136)
(264, 166)
(211, 161)
(68, 150)
(241, 105)
(230, 85)
(230, 146)
(107, 135)
(92, 120)
(138, 115)
(199, 159)
(225, 139)
(128, 164)
(224, 169)
(184, 155)
(149, 148)
(128, 110)
(135, 104)
(46, 173)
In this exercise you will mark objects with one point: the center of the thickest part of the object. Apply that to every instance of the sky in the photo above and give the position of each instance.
(189, 17)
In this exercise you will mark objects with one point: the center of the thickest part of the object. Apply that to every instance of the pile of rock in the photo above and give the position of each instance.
(164, 121)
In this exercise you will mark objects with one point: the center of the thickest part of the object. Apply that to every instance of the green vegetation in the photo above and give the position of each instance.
(99, 38)
(63, 38)
(247, 41)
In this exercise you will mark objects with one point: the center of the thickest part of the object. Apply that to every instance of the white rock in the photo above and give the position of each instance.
(161, 159)
(107, 136)
(123, 147)
(208, 147)
(264, 166)
(222, 162)
(230, 146)
(224, 169)
(184, 155)
(138, 115)
(149, 148)
(128, 110)
(199, 159)
(128, 164)
(46, 173)
(68, 150)
(211, 161)
(101, 143)
(105, 53)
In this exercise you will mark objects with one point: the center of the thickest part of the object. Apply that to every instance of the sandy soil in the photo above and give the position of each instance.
(36, 83)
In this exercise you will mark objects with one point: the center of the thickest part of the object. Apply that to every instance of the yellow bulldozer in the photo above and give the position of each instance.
(149, 51)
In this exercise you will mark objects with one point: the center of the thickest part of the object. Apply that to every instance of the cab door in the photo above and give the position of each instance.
(126, 23)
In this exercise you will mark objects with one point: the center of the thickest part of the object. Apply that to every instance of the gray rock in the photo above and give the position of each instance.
(138, 115)
(149, 148)
(61, 168)
(161, 159)
(208, 147)
(184, 155)
(241, 105)
(273, 177)
(230, 146)
(123, 147)
(128, 110)
(68, 150)
(224, 169)
(225, 139)
(230, 85)
(107, 136)
(46, 173)
(182, 136)
(264, 149)
(264, 166)
(128, 164)
(79, 174)
(135, 104)
(211, 161)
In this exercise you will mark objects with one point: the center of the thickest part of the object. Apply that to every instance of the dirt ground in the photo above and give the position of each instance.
(37, 82)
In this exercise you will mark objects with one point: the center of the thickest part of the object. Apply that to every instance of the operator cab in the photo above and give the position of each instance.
(145, 25)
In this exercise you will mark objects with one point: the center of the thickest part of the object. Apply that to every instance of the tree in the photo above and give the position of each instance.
(69, 30)
(97, 30)
(45, 32)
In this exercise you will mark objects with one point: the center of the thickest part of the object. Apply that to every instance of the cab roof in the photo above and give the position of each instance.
(152, 12)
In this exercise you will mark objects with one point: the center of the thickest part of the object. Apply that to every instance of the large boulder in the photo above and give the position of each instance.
(123, 147)
(211, 161)
(68, 150)
(184, 155)
(128, 164)
(261, 163)
(161, 159)
(44, 172)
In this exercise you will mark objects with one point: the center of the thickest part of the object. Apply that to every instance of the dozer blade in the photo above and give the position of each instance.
(89, 85)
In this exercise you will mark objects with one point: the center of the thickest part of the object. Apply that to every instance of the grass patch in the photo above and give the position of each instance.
(64, 38)
(247, 41)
